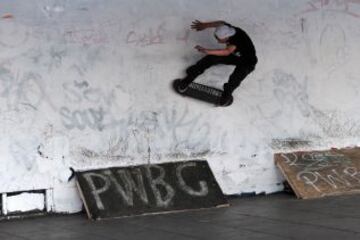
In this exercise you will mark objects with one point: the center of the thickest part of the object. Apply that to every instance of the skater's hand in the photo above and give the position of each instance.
(200, 49)
(198, 26)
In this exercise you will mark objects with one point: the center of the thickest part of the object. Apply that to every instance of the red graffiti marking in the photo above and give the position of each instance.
(184, 37)
(89, 36)
(7, 16)
(342, 6)
(147, 38)
(155, 36)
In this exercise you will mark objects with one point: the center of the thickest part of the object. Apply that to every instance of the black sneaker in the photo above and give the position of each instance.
(182, 86)
(226, 100)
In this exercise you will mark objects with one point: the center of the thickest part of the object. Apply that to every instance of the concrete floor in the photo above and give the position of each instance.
(279, 216)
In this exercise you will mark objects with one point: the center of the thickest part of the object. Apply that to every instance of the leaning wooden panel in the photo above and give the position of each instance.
(321, 173)
(149, 189)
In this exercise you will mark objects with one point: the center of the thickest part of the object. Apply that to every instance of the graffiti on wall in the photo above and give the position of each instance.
(155, 35)
(320, 173)
(348, 7)
(165, 132)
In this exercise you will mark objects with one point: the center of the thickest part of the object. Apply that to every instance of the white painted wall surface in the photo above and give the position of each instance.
(87, 84)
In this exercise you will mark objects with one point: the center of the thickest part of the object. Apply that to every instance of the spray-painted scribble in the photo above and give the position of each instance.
(312, 161)
(165, 132)
(80, 119)
(80, 93)
(333, 47)
(292, 99)
(148, 38)
(22, 88)
(291, 93)
(321, 171)
(8, 16)
(348, 7)
(335, 123)
(288, 143)
(131, 183)
(155, 35)
(183, 37)
(86, 36)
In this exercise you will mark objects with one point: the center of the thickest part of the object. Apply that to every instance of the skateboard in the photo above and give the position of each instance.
(201, 92)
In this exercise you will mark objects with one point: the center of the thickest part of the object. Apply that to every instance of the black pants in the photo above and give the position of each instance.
(244, 66)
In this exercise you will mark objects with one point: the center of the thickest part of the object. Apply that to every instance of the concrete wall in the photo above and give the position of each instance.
(86, 84)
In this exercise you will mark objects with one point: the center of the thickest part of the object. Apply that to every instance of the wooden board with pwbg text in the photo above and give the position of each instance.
(321, 173)
(149, 189)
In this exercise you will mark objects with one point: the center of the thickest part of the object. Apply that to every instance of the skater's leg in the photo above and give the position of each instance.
(194, 71)
(235, 79)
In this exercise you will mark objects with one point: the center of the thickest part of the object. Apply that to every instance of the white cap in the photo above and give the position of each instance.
(224, 31)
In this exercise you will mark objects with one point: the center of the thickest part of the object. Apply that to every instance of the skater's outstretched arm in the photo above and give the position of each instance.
(217, 52)
(199, 26)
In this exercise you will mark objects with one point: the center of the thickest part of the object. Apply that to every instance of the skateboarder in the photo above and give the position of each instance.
(239, 51)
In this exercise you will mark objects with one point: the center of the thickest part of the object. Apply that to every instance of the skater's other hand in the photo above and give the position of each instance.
(198, 26)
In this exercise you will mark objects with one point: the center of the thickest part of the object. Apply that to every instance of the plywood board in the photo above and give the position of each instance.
(149, 189)
(321, 173)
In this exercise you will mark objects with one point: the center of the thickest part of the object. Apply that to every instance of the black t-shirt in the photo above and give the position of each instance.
(244, 45)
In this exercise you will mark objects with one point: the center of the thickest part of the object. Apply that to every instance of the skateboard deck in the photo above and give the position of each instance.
(201, 92)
